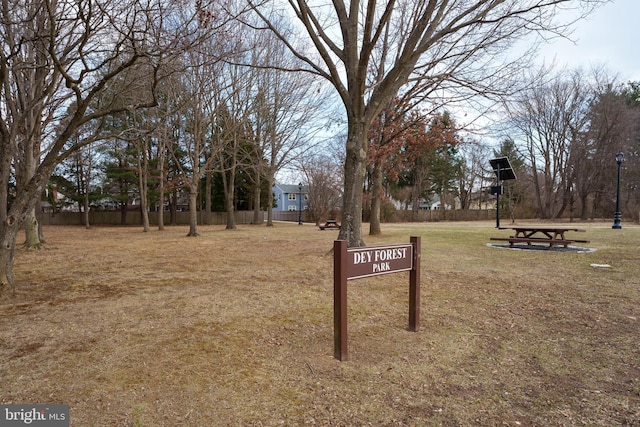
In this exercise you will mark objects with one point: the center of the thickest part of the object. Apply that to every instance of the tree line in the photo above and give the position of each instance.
(181, 92)
(415, 158)
(561, 136)
(564, 136)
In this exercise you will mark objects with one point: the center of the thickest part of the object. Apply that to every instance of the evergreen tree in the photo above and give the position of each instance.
(120, 181)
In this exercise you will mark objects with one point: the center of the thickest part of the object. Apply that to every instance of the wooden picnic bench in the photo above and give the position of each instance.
(332, 224)
(551, 236)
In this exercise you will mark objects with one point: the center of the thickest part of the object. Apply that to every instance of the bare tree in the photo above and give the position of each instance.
(288, 109)
(30, 93)
(195, 134)
(168, 117)
(549, 120)
(142, 148)
(82, 47)
(612, 124)
(324, 181)
(197, 94)
(439, 45)
(85, 162)
(233, 130)
(470, 179)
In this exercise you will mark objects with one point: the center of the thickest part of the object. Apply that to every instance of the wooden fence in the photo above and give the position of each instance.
(135, 218)
(433, 215)
(246, 217)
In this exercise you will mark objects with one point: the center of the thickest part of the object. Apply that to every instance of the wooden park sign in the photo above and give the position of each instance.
(356, 263)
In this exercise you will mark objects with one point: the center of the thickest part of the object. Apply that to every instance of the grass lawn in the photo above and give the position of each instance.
(235, 328)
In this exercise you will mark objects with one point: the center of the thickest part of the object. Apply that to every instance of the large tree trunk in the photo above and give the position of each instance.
(376, 200)
(7, 241)
(161, 202)
(32, 236)
(229, 192)
(143, 170)
(161, 207)
(354, 169)
(144, 212)
(538, 192)
(8, 234)
(123, 212)
(550, 194)
(258, 218)
(142, 181)
(161, 187)
(40, 231)
(231, 217)
(85, 212)
(31, 224)
(270, 182)
(193, 212)
(173, 207)
(14, 218)
(207, 198)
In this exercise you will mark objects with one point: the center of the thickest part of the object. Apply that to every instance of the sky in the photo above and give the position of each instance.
(610, 36)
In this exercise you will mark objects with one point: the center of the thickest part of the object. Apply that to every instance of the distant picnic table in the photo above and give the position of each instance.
(330, 224)
(546, 235)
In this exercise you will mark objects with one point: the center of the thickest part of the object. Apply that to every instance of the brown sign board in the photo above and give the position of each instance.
(356, 263)
(375, 260)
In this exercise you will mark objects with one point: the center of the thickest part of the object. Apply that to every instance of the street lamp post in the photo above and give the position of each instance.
(617, 215)
(300, 204)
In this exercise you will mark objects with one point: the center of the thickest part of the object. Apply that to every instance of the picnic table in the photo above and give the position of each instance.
(546, 235)
(330, 224)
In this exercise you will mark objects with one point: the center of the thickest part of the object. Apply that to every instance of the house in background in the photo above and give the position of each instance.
(290, 197)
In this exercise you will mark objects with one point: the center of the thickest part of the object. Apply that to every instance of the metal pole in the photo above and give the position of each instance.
(498, 197)
(498, 210)
(300, 204)
(340, 300)
(617, 216)
(414, 287)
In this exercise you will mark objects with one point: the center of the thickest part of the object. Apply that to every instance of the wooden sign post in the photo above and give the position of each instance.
(356, 263)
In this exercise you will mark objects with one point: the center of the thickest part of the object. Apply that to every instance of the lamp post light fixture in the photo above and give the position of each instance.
(300, 204)
(617, 215)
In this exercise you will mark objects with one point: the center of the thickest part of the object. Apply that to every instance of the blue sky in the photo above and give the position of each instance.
(610, 36)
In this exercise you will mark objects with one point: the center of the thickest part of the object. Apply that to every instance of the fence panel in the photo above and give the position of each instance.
(246, 217)
(135, 218)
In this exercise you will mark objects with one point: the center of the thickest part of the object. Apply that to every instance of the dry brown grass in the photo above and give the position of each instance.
(236, 328)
